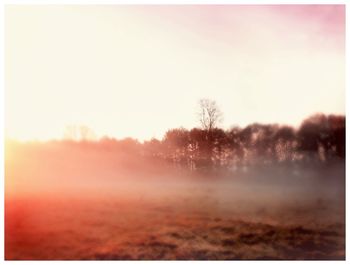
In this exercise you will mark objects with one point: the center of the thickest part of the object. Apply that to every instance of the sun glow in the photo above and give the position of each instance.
(138, 71)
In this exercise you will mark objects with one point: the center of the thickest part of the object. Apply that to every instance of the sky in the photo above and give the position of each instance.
(137, 71)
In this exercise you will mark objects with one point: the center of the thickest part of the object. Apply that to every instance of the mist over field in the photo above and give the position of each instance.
(105, 200)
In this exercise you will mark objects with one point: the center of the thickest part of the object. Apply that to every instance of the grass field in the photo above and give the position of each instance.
(226, 219)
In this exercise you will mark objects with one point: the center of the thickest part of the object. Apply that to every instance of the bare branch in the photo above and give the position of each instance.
(209, 115)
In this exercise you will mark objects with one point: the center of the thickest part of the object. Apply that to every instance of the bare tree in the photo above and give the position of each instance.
(75, 133)
(209, 114)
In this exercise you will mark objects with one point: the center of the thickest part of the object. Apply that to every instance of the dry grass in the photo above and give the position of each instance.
(193, 225)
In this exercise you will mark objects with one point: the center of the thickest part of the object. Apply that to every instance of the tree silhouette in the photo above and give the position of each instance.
(319, 139)
(209, 114)
(176, 142)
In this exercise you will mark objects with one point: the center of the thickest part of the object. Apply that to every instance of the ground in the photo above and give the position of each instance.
(173, 220)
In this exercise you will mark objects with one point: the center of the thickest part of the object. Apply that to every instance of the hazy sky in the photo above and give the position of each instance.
(140, 70)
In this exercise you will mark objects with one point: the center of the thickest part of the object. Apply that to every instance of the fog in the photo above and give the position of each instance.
(110, 205)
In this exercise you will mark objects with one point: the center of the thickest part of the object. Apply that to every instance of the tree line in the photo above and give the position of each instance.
(319, 139)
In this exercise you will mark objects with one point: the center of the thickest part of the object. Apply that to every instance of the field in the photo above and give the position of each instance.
(293, 216)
